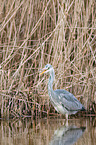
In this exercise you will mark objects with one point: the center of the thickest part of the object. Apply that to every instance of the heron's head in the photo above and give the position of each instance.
(47, 68)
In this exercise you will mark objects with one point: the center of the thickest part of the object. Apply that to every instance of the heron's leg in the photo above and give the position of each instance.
(66, 120)
(66, 116)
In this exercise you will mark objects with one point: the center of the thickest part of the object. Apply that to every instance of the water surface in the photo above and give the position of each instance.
(48, 132)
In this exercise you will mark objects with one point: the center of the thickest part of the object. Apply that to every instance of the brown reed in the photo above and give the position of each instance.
(34, 33)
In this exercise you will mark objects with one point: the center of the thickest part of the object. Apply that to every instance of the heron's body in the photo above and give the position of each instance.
(63, 101)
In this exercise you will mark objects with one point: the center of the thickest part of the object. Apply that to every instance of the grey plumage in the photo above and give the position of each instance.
(63, 101)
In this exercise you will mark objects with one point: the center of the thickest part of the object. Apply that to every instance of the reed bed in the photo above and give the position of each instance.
(34, 33)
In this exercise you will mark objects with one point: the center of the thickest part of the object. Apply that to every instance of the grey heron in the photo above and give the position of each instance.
(63, 101)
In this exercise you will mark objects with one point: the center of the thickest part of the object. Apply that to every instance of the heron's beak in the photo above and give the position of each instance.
(42, 72)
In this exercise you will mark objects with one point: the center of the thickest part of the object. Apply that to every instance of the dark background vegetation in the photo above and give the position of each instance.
(34, 33)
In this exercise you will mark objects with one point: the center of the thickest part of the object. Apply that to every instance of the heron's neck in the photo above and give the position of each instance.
(51, 79)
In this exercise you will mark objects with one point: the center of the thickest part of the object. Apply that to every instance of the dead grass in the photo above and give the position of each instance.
(34, 33)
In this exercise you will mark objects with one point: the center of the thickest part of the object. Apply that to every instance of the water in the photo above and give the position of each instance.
(48, 132)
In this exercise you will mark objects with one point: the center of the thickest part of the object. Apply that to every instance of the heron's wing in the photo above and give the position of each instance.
(68, 100)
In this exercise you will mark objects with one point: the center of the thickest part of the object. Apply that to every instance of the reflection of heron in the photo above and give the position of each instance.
(63, 101)
(67, 135)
